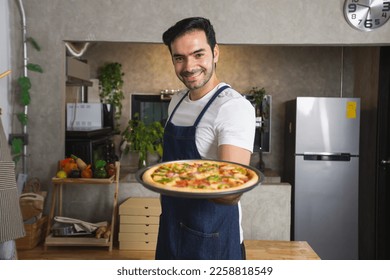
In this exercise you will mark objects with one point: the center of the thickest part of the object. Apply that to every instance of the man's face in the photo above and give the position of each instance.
(193, 59)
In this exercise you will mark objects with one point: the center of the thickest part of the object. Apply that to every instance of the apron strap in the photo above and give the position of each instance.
(177, 106)
(208, 104)
(205, 107)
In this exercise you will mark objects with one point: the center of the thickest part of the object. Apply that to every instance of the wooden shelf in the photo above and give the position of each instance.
(76, 241)
(58, 183)
(80, 181)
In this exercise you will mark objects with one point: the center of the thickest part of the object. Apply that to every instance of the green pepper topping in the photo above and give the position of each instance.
(165, 180)
(213, 178)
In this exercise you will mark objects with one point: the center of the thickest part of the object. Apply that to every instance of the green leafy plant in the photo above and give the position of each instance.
(111, 82)
(143, 138)
(24, 84)
(258, 95)
(16, 148)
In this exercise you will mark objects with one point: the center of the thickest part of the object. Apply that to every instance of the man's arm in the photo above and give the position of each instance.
(233, 154)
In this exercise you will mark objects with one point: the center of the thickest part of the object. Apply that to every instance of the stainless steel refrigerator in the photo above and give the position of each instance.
(322, 164)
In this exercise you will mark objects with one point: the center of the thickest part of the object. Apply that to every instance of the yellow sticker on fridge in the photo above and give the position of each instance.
(351, 110)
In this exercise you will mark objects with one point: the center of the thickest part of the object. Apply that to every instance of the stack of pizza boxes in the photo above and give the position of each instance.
(139, 221)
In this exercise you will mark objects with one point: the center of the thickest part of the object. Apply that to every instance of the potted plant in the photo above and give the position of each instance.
(111, 82)
(144, 139)
(257, 96)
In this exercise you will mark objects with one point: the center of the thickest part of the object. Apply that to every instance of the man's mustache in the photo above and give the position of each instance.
(190, 73)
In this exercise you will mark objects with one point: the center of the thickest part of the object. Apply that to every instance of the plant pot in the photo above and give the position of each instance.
(152, 158)
(108, 116)
(142, 162)
(130, 160)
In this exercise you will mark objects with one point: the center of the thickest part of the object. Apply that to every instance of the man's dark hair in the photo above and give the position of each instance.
(190, 24)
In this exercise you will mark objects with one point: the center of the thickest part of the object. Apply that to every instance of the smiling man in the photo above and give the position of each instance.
(194, 63)
(208, 120)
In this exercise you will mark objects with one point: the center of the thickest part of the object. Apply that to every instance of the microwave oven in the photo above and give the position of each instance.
(91, 149)
(84, 116)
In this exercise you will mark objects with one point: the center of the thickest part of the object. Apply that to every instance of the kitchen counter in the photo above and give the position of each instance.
(279, 250)
(255, 250)
(266, 209)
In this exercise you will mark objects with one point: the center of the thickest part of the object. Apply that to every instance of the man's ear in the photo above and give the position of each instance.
(216, 53)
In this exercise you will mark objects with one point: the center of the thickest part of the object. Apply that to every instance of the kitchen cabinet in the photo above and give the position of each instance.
(56, 207)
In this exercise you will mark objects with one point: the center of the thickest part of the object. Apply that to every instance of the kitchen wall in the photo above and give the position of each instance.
(285, 72)
(249, 22)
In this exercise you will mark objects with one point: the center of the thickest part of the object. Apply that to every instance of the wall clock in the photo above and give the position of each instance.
(366, 15)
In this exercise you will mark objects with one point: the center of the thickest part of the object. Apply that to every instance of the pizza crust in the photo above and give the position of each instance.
(147, 179)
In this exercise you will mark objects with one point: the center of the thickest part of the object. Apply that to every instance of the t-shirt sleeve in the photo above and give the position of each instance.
(236, 124)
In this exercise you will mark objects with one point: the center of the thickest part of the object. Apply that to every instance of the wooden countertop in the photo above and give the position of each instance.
(279, 250)
(255, 250)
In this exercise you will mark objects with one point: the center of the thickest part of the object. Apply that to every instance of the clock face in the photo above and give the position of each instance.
(367, 15)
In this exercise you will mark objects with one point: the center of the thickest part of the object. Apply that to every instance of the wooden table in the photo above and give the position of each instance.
(279, 250)
(255, 250)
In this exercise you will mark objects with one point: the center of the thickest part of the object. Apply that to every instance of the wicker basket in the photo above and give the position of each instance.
(34, 235)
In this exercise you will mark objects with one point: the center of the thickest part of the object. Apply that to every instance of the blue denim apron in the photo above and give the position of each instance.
(194, 229)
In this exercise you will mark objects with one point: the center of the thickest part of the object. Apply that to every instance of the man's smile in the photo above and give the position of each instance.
(191, 75)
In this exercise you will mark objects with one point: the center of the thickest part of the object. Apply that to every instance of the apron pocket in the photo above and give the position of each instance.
(196, 245)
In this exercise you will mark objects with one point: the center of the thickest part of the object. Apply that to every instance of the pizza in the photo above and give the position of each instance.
(200, 176)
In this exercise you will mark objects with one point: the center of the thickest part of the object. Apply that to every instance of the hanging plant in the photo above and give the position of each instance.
(16, 149)
(24, 83)
(111, 82)
(34, 67)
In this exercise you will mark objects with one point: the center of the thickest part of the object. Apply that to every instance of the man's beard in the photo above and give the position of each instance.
(199, 83)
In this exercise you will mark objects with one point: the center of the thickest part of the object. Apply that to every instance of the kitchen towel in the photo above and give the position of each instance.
(11, 221)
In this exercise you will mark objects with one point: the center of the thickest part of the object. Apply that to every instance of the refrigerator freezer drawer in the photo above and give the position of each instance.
(326, 206)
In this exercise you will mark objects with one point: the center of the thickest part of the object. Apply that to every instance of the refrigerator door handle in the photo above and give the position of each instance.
(327, 156)
(385, 162)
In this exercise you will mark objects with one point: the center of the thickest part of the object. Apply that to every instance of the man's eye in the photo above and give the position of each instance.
(178, 59)
(199, 55)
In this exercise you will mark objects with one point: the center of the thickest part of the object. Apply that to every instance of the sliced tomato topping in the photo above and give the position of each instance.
(181, 183)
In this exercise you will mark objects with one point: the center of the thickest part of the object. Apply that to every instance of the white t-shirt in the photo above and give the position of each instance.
(230, 119)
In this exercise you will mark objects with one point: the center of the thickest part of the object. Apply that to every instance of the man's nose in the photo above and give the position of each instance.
(189, 64)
